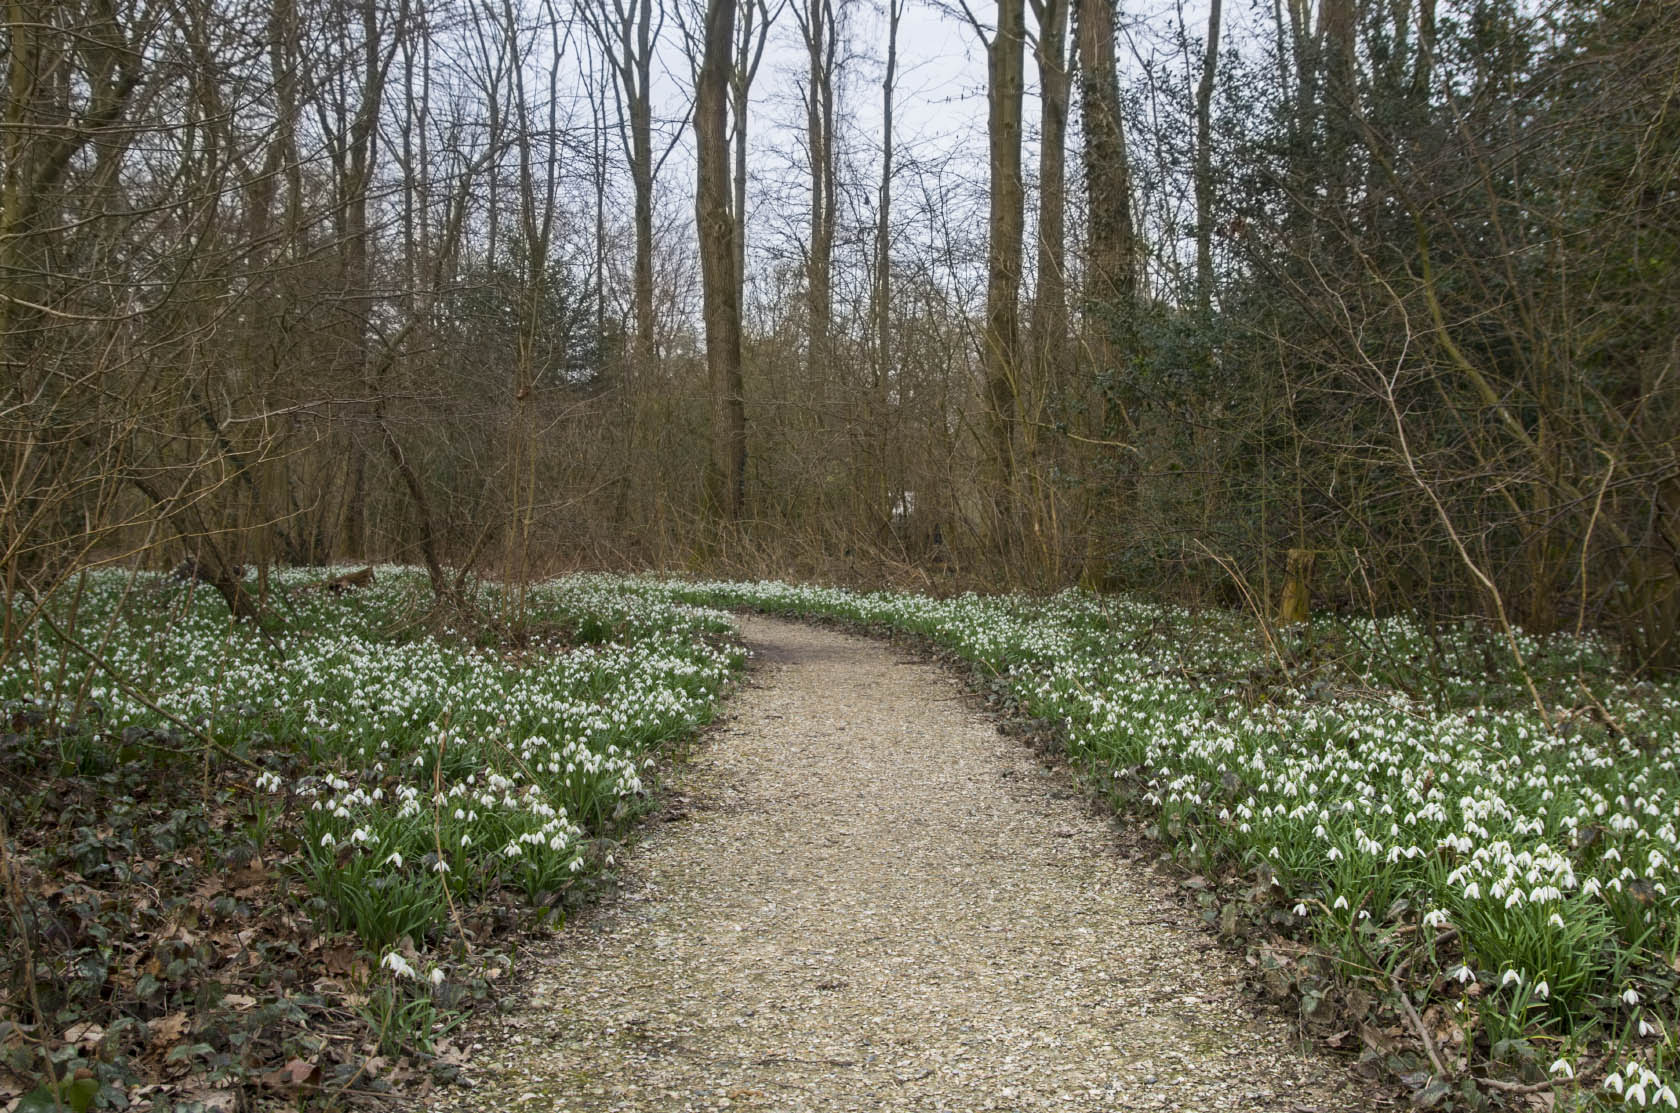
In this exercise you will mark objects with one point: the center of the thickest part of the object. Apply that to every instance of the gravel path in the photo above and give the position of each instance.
(865, 898)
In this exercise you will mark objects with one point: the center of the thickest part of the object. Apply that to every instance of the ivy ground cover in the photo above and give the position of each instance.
(245, 864)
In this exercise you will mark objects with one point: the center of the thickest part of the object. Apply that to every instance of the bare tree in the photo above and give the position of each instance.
(727, 483)
(817, 29)
(627, 33)
(1049, 320)
(752, 34)
(1204, 164)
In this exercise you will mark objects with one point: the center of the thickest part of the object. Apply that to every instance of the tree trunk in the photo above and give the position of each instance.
(636, 71)
(816, 24)
(1049, 326)
(754, 33)
(1204, 167)
(1005, 80)
(1111, 268)
(1110, 271)
(728, 467)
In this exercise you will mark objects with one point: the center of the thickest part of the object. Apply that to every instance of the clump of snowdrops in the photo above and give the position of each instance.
(1393, 791)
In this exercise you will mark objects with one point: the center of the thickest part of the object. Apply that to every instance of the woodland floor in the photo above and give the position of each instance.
(861, 896)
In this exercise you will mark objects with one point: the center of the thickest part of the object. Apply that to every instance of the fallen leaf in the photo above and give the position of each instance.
(86, 1034)
(240, 1001)
(296, 1074)
(214, 1101)
(339, 960)
(168, 1029)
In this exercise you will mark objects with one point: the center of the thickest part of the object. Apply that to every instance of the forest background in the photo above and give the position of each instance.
(1375, 298)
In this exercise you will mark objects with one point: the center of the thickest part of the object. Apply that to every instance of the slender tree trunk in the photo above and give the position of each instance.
(728, 468)
(1049, 325)
(881, 314)
(883, 210)
(1005, 80)
(816, 23)
(624, 31)
(1204, 167)
(637, 72)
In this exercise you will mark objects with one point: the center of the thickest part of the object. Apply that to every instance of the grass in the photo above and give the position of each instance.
(1384, 793)
(227, 845)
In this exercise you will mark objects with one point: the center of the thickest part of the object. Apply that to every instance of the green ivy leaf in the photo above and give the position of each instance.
(75, 1096)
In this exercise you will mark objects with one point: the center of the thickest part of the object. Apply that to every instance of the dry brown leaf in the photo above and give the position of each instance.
(168, 1030)
(86, 1034)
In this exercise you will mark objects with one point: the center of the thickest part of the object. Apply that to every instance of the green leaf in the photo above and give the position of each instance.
(75, 1096)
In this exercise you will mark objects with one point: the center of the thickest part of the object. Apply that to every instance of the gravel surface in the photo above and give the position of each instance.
(864, 898)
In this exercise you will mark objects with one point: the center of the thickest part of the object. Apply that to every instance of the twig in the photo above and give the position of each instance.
(14, 897)
(1416, 1022)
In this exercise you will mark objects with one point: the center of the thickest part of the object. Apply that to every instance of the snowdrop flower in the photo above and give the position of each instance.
(1341, 903)
(395, 859)
(328, 841)
(1667, 1096)
(1463, 974)
(1508, 977)
(1434, 918)
(437, 976)
(398, 965)
(1472, 891)
(1613, 1083)
(1646, 1028)
(1555, 921)
(1562, 1069)
(1630, 996)
(1542, 990)
(1300, 909)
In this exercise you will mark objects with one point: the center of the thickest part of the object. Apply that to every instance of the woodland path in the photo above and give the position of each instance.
(862, 897)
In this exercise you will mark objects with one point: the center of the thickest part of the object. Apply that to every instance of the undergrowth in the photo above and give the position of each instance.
(274, 867)
(1483, 901)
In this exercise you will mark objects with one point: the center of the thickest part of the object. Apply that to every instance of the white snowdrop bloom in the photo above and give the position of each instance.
(1562, 1069)
(1666, 1096)
(1300, 909)
(1472, 891)
(436, 976)
(441, 866)
(1555, 921)
(1646, 1028)
(1542, 989)
(1341, 903)
(1630, 996)
(1434, 918)
(327, 840)
(1334, 853)
(398, 965)
(1508, 978)
(395, 859)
